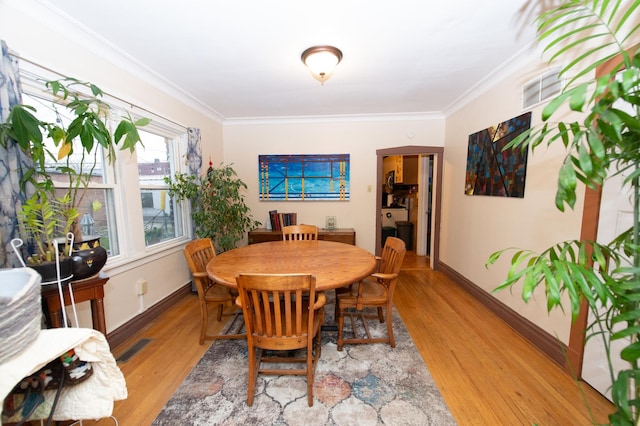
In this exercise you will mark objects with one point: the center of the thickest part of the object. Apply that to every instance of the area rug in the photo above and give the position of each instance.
(369, 384)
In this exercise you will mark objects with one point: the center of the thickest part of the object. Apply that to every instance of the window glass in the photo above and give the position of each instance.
(123, 196)
(161, 217)
(96, 203)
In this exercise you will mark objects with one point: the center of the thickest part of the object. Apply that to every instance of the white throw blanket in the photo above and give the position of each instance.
(91, 399)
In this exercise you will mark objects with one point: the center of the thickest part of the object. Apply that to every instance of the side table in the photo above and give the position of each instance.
(90, 289)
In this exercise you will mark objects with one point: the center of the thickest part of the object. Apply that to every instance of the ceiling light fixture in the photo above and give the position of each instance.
(321, 61)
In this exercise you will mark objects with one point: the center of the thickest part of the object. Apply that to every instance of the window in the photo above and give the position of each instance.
(96, 204)
(161, 217)
(109, 209)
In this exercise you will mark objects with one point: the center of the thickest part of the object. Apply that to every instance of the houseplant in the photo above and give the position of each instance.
(42, 219)
(80, 136)
(606, 143)
(218, 209)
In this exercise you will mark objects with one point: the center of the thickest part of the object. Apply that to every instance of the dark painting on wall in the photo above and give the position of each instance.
(492, 171)
(304, 177)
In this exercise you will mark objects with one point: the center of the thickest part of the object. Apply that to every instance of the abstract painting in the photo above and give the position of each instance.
(492, 170)
(304, 177)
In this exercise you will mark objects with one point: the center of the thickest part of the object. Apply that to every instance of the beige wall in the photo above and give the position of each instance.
(244, 142)
(473, 227)
(75, 54)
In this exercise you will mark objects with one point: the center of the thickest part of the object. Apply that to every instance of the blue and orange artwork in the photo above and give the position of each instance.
(304, 177)
(492, 170)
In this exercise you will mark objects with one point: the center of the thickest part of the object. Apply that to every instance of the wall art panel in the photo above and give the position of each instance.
(304, 177)
(492, 171)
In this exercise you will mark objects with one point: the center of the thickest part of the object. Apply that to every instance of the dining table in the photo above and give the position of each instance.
(334, 264)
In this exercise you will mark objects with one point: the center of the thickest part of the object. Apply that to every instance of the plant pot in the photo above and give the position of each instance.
(89, 257)
(47, 271)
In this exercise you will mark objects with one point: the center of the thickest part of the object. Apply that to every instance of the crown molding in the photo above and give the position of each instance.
(510, 67)
(347, 118)
(78, 32)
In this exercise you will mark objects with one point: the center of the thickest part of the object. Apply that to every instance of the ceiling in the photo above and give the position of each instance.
(241, 59)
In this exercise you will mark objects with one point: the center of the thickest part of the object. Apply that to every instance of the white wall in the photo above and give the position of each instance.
(38, 35)
(359, 138)
(473, 227)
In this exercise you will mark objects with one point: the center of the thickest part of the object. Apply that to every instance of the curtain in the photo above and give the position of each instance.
(194, 151)
(13, 162)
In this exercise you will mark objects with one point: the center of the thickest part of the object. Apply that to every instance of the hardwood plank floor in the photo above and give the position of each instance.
(487, 373)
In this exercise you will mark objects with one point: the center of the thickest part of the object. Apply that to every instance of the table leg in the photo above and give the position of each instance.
(55, 319)
(97, 314)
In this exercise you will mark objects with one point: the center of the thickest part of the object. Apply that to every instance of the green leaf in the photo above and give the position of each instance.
(584, 159)
(578, 97)
(555, 103)
(141, 122)
(566, 185)
(25, 126)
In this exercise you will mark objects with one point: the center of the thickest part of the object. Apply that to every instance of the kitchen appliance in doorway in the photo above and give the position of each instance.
(390, 181)
(392, 215)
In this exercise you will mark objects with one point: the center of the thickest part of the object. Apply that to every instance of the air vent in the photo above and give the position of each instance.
(542, 88)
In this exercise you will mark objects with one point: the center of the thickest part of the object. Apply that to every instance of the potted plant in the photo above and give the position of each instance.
(605, 143)
(42, 220)
(218, 209)
(44, 140)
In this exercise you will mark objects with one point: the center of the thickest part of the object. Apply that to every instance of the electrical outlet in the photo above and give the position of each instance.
(142, 286)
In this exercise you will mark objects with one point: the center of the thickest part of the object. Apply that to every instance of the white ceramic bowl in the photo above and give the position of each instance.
(20, 310)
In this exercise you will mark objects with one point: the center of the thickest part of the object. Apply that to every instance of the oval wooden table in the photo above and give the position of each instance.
(334, 264)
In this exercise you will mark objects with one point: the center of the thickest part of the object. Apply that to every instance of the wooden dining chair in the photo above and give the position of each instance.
(376, 292)
(300, 232)
(198, 253)
(278, 318)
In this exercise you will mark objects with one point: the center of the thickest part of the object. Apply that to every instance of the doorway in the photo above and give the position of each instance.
(425, 215)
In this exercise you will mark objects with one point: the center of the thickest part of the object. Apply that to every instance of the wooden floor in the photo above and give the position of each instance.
(486, 372)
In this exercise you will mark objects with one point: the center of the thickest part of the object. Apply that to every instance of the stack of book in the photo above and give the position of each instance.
(278, 220)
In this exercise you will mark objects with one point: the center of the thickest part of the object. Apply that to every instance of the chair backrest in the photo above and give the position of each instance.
(198, 253)
(300, 232)
(391, 261)
(277, 316)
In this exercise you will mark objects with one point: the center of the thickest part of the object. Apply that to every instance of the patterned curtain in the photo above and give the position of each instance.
(194, 158)
(194, 151)
(12, 162)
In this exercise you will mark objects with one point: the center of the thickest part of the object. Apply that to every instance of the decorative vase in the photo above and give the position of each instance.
(49, 274)
(89, 257)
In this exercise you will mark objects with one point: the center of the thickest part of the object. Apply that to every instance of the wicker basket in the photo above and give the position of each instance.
(20, 310)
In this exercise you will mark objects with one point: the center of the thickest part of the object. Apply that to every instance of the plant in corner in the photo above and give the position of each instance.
(51, 144)
(218, 209)
(605, 143)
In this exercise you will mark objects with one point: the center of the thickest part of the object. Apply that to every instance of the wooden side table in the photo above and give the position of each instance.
(90, 289)
(340, 235)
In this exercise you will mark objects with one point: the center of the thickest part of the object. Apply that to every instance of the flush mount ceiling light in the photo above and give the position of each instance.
(321, 61)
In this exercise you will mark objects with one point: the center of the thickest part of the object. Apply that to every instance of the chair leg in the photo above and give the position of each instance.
(220, 309)
(340, 325)
(310, 364)
(252, 377)
(392, 341)
(204, 320)
(380, 316)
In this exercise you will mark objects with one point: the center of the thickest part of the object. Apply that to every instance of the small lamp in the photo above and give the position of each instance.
(321, 61)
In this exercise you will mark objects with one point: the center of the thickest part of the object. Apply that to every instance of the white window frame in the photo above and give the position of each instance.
(127, 203)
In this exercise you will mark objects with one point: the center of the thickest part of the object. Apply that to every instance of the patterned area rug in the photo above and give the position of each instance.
(371, 384)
